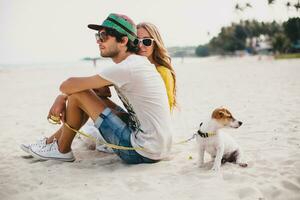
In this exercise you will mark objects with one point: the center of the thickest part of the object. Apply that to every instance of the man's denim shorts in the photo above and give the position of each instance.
(117, 132)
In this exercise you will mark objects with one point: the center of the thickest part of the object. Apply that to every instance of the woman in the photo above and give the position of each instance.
(151, 45)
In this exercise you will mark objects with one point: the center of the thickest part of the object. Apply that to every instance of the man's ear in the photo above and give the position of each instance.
(124, 41)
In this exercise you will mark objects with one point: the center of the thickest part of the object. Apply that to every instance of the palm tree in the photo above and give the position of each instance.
(288, 4)
(297, 5)
(238, 7)
(271, 1)
(248, 5)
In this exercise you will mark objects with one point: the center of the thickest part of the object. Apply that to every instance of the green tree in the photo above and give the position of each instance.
(281, 43)
(202, 51)
(292, 29)
(272, 28)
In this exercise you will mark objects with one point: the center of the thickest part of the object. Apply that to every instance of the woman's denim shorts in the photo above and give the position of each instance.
(117, 132)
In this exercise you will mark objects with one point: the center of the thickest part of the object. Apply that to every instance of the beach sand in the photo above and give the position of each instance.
(264, 94)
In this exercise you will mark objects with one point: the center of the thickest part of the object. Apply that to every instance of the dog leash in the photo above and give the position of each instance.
(113, 146)
(56, 120)
(187, 140)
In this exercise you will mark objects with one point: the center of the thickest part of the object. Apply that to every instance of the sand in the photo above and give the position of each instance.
(264, 94)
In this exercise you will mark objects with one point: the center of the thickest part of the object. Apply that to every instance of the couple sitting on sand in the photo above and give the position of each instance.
(145, 84)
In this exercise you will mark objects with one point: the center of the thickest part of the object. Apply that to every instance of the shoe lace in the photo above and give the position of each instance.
(43, 145)
(52, 145)
(49, 147)
(42, 142)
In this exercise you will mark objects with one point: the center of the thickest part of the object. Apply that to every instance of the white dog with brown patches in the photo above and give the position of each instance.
(219, 145)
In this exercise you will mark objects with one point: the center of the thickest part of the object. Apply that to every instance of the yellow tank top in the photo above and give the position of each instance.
(169, 83)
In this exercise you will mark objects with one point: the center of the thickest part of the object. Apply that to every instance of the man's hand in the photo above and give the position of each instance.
(58, 109)
(103, 92)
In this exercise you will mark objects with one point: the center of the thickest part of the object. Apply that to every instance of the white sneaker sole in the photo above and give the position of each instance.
(39, 157)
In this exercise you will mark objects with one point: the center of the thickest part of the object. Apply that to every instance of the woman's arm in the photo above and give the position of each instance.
(169, 83)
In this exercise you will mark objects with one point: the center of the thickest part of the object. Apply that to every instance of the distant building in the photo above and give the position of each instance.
(182, 51)
(259, 45)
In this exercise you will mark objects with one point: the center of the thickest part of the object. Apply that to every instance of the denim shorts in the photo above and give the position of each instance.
(116, 131)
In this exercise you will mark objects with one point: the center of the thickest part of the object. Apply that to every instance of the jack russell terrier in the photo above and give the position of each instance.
(219, 145)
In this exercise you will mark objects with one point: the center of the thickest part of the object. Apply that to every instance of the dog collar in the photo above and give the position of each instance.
(205, 135)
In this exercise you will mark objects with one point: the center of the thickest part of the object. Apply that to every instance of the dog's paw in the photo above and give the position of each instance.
(243, 165)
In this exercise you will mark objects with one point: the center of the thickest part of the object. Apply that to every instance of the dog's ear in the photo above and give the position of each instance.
(201, 124)
(224, 113)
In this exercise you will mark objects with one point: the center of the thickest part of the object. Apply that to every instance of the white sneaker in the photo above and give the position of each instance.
(50, 152)
(40, 142)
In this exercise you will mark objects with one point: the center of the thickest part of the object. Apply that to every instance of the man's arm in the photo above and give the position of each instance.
(103, 92)
(78, 84)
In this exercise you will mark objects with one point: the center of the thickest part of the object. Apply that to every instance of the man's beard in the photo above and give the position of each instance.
(112, 52)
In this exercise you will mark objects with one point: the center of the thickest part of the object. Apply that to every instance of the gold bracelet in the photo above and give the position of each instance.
(54, 120)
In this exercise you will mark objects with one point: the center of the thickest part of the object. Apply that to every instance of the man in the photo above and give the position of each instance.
(145, 126)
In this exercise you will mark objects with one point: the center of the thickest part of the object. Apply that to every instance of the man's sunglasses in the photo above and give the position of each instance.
(101, 36)
(145, 41)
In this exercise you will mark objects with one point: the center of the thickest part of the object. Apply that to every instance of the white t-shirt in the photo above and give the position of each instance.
(143, 93)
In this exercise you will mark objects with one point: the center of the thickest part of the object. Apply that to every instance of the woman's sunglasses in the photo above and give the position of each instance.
(145, 41)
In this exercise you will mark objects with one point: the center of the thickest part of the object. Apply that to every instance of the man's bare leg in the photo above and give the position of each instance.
(106, 101)
(79, 103)
(59, 131)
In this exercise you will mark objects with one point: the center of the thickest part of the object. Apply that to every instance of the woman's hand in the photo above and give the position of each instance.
(58, 109)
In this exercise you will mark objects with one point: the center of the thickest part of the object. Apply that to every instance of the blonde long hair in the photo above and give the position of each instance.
(160, 55)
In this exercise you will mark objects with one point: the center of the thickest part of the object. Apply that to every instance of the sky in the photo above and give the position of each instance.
(34, 31)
